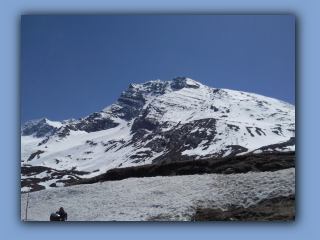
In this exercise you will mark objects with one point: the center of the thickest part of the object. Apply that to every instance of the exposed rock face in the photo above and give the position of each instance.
(274, 209)
(37, 153)
(32, 184)
(181, 82)
(38, 128)
(93, 123)
(279, 146)
(42, 127)
(228, 165)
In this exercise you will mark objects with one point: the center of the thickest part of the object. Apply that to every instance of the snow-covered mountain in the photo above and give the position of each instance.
(42, 127)
(153, 122)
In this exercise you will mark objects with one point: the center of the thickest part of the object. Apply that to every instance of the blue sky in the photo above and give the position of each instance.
(74, 65)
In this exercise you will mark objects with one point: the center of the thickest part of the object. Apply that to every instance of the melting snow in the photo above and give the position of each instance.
(163, 198)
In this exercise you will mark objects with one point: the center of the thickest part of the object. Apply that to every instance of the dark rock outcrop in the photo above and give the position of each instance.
(93, 123)
(37, 153)
(33, 183)
(282, 146)
(181, 82)
(38, 128)
(227, 165)
(274, 209)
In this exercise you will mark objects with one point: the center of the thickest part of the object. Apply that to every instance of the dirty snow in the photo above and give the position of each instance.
(158, 198)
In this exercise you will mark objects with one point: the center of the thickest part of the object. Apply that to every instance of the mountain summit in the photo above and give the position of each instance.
(160, 121)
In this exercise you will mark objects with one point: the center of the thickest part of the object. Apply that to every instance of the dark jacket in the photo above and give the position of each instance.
(63, 215)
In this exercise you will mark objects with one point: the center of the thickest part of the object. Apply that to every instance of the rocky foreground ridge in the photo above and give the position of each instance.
(263, 162)
(273, 209)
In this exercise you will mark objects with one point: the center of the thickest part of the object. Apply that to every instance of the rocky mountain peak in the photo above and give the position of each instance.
(43, 127)
(162, 121)
(158, 87)
(68, 121)
(183, 82)
(37, 128)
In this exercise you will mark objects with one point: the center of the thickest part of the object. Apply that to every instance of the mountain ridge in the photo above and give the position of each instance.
(162, 121)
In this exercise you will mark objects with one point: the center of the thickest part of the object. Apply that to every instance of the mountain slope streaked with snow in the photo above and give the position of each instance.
(158, 121)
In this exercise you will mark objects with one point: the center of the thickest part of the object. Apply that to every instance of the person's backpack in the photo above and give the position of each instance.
(54, 217)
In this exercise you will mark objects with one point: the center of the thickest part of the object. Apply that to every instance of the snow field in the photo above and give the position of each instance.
(158, 198)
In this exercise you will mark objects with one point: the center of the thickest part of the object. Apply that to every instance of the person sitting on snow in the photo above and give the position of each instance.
(63, 214)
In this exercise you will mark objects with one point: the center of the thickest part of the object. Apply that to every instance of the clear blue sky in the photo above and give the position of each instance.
(72, 66)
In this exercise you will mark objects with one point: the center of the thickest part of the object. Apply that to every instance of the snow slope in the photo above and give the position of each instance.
(158, 198)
